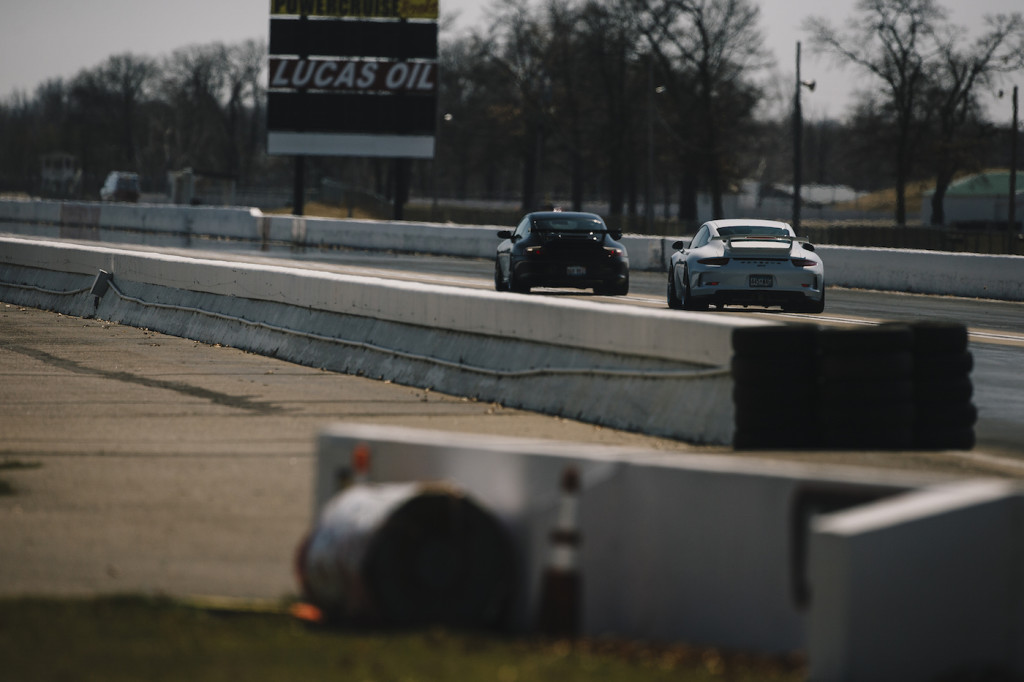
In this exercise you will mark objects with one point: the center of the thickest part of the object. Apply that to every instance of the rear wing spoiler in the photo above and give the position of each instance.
(789, 240)
(758, 238)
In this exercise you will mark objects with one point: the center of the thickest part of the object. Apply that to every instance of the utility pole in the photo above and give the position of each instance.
(798, 134)
(1012, 212)
(299, 187)
(649, 188)
(403, 170)
(299, 182)
(798, 125)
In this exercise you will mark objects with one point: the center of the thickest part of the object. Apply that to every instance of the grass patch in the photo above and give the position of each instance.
(135, 638)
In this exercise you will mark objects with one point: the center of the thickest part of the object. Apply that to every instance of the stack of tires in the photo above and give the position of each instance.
(866, 388)
(893, 386)
(775, 387)
(944, 414)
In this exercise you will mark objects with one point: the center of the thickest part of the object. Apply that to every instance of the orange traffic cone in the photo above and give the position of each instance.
(560, 600)
(361, 463)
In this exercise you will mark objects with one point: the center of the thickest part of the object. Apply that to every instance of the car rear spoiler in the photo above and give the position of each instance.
(539, 228)
(757, 238)
(615, 234)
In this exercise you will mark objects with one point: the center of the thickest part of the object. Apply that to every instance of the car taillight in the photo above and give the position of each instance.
(612, 251)
(534, 250)
(804, 262)
(713, 261)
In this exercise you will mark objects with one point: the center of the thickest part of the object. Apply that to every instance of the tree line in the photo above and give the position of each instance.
(628, 102)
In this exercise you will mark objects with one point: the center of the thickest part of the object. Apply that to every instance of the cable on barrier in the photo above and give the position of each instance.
(41, 290)
(517, 374)
(514, 374)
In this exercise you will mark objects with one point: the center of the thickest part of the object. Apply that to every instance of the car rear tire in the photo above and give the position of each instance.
(813, 307)
(686, 300)
(670, 293)
(515, 286)
(499, 284)
(612, 288)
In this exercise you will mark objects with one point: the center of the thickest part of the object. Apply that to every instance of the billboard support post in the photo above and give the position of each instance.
(299, 188)
(360, 80)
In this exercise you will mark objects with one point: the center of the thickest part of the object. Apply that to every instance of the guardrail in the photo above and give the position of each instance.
(928, 272)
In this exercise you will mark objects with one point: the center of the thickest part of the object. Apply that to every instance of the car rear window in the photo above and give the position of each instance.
(753, 231)
(569, 225)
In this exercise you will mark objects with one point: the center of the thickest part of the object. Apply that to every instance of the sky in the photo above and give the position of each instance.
(40, 41)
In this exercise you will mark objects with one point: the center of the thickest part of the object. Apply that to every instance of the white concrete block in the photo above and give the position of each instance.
(920, 586)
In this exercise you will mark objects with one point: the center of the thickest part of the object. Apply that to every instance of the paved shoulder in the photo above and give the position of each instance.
(140, 462)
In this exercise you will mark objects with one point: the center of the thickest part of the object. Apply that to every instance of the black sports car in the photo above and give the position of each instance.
(562, 249)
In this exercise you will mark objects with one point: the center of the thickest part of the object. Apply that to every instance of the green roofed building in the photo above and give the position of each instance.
(981, 199)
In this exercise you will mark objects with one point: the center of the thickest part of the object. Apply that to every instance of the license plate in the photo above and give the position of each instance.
(760, 280)
(575, 271)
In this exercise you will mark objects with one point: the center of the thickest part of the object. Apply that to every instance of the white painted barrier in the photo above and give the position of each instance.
(701, 339)
(923, 586)
(712, 549)
(929, 272)
(971, 275)
(229, 223)
(627, 367)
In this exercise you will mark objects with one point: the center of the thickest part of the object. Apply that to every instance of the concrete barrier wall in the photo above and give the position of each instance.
(699, 549)
(920, 587)
(615, 365)
(930, 272)
(700, 339)
(451, 240)
(229, 223)
(926, 272)
(916, 578)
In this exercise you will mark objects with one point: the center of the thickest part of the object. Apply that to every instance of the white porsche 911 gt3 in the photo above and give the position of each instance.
(748, 263)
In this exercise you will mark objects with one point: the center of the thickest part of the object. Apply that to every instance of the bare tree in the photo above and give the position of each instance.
(609, 38)
(129, 78)
(957, 128)
(245, 94)
(105, 114)
(562, 80)
(520, 49)
(895, 41)
(710, 46)
(569, 102)
(195, 85)
(930, 81)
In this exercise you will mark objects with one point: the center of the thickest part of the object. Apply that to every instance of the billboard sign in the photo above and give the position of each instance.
(357, 9)
(352, 78)
(356, 75)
